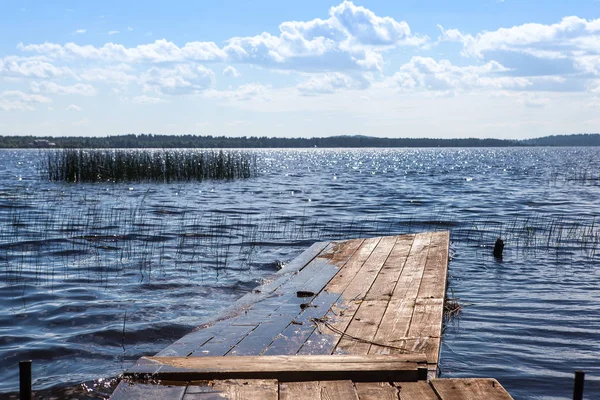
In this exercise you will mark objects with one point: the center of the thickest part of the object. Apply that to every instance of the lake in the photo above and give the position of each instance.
(94, 276)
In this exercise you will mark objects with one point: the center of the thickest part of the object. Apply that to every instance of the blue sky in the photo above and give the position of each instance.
(488, 68)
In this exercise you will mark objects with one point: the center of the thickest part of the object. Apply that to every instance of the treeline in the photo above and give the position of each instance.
(193, 141)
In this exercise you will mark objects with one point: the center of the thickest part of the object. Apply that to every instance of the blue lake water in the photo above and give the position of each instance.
(94, 276)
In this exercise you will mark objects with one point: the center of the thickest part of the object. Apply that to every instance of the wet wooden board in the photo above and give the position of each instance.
(469, 389)
(325, 339)
(343, 389)
(318, 390)
(135, 390)
(283, 368)
(237, 389)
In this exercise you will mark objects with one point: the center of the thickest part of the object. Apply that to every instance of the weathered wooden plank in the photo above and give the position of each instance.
(299, 329)
(223, 342)
(259, 339)
(430, 346)
(409, 282)
(324, 340)
(363, 326)
(427, 318)
(366, 321)
(433, 283)
(304, 258)
(284, 368)
(421, 390)
(233, 389)
(132, 390)
(470, 389)
(376, 391)
(318, 390)
(294, 336)
(314, 275)
(240, 309)
(343, 278)
(394, 327)
(383, 287)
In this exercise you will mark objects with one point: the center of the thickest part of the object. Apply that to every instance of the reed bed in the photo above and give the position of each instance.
(145, 165)
(81, 237)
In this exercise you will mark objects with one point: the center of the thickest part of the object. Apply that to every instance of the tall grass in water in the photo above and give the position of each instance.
(122, 165)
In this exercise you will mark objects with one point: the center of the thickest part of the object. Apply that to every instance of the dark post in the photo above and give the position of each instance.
(25, 380)
(498, 248)
(578, 389)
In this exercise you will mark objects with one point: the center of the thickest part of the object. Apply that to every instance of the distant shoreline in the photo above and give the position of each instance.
(253, 142)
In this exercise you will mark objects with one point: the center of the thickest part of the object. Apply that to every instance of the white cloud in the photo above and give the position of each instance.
(83, 89)
(147, 100)
(79, 32)
(353, 37)
(73, 107)
(121, 74)
(571, 37)
(425, 73)
(15, 100)
(113, 32)
(31, 67)
(231, 72)
(157, 52)
(182, 79)
(129, 29)
(251, 91)
(332, 82)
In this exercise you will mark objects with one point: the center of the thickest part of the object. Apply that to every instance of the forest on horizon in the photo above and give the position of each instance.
(196, 141)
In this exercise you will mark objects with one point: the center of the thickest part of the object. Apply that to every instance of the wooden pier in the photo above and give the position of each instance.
(356, 319)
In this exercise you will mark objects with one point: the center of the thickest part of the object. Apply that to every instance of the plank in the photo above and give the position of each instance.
(400, 311)
(318, 390)
(233, 389)
(223, 342)
(260, 338)
(470, 389)
(427, 318)
(324, 340)
(421, 390)
(433, 283)
(314, 275)
(240, 309)
(294, 336)
(363, 326)
(394, 326)
(284, 368)
(366, 321)
(383, 287)
(343, 278)
(376, 391)
(409, 282)
(291, 339)
(304, 258)
(126, 390)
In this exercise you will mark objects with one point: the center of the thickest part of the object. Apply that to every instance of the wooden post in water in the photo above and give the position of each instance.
(578, 387)
(25, 380)
(498, 248)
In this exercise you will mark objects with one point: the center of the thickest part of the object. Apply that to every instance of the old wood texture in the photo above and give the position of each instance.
(343, 389)
(283, 368)
(342, 320)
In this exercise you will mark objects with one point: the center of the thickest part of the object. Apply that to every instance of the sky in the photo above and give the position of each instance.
(409, 68)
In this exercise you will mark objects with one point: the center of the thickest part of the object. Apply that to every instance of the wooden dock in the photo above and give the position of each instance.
(357, 319)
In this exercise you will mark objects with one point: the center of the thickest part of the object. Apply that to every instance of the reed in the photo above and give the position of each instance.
(145, 165)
